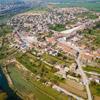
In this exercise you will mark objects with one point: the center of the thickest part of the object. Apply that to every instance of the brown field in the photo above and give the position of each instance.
(96, 97)
(74, 88)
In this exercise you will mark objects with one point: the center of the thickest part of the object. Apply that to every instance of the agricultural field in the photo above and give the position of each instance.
(91, 36)
(6, 51)
(57, 27)
(29, 85)
(95, 89)
(74, 88)
(39, 67)
(90, 6)
(3, 96)
(5, 29)
(59, 59)
(4, 18)
(88, 15)
(92, 69)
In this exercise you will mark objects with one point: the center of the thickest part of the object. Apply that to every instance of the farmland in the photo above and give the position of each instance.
(32, 87)
(92, 69)
(90, 6)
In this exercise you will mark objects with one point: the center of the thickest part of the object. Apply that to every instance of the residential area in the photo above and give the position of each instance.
(53, 55)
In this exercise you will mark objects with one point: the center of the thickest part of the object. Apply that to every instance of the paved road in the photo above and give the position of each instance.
(54, 86)
(84, 77)
(66, 92)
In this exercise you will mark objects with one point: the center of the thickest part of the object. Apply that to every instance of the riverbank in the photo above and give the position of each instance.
(5, 87)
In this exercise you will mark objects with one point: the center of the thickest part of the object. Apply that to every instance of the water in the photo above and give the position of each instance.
(5, 87)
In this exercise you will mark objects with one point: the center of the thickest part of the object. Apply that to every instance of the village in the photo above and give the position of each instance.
(56, 58)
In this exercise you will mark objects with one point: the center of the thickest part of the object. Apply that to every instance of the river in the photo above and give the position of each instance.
(5, 87)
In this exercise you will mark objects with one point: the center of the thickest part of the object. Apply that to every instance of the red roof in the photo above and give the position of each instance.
(66, 48)
(51, 40)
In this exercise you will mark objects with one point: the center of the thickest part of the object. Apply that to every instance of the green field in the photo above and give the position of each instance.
(95, 89)
(5, 29)
(3, 96)
(59, 59)
(31, 86)
(39, 67)
(90, 6)
(57, 27)
(92, 69)
(91, 36)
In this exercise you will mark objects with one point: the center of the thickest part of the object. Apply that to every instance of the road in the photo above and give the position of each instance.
(84, 77)
(54, 86)
(82, 73)
(66, 92)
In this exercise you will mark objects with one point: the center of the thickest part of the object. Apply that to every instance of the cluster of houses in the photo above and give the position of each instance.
(39, 22)
(28, 26)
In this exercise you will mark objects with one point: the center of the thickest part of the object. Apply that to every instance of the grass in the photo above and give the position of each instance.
(48, 90)
(57, 27)
(38, 10)
(5, 29)
(92, 69)
(5, 51)
(52, 59)
(58, 59)
(28, 64)
(32, 86)
(3, 96)
(25, 87)
(95, 89)
(92, 36)
(90, 6)
(89, 15)
(39, 68)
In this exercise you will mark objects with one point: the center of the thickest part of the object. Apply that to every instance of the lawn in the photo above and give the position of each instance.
(92, 69)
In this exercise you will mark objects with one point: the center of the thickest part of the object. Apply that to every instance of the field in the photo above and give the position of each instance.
(91, 36)
(39, 67)
(59, 59)
(74, 87)
(92, 69)
(57, 27)
(32, 87)
(46, 72)
(90, 6)
(5, 29)
(95, 89)
(3, 96)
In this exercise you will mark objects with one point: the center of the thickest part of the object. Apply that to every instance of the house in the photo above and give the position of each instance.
(51, 40)
(67, 49)
(87, 57)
